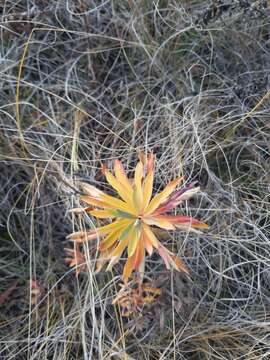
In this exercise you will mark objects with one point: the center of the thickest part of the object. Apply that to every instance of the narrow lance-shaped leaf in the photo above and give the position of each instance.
(122, 242)
(162, 196)
(134, 236)
(138, 194)
(150, 235)
(111, 238)
(116, 203)
(148, 189)
(124, 193)
(121, 175)
(129, 266)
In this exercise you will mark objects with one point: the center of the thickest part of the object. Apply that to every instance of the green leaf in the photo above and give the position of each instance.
(123, 214)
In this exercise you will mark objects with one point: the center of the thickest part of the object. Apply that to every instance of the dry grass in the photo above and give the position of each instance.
(87, 81)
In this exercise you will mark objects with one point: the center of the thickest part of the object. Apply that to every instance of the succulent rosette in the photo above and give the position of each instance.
(134, 215)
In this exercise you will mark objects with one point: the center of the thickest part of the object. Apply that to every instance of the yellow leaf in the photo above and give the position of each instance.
(149, 299)
(120, 247)
(123, 242)
(102, 214)
(133, 238)
(110, 239)
(114, 226)
(116, 203)
(148, 189)
(162, 196)
(137, 200)
(121, 175)
(150, 235)
(113, 260)
(124, 214)
(138, 194)
(152, 290)
(125, 194)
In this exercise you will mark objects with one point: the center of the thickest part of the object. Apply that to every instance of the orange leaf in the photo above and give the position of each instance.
(151, 162)
(129, 266)
(179, 263)
(82, 236)
(139, 255)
